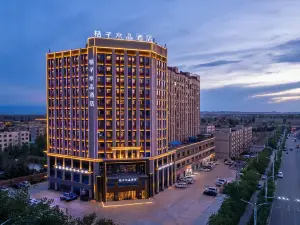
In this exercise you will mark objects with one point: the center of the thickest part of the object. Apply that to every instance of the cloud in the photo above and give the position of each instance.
(215, 63)
(280, 93)
(262, 43)
(284, 99)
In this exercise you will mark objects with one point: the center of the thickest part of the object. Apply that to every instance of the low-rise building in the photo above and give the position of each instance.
(231, 142)
(207, 129)
(13, 138)
(190, 157)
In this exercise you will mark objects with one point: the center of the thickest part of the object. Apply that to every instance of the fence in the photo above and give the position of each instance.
(38, 177)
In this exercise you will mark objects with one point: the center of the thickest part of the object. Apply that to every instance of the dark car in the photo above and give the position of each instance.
(68, 196)
(211, 191)
(17, 186)
(208, 167)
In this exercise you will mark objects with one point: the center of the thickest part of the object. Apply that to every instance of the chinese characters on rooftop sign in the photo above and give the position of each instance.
(128, 36)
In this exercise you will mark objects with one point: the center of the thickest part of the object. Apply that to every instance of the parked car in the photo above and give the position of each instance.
(181, 185)
(68, 196)
(219, 184)
(190, 179)
(211, 191)
(229, 163)
(3, 188)
(33, 201)
(280, 175)
(25, 184)
(264, 176)
(205, 169)
(258, 186)
(223, 181)
(208, 167)
(187, 180)
(211, 164)
(17, 186)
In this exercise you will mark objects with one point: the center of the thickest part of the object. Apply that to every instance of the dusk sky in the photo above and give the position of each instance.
(247, 53)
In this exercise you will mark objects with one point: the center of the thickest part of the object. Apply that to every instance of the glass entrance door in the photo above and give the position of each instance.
(127, 195)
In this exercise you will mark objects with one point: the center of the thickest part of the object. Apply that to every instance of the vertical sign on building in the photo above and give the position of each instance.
(92, 102)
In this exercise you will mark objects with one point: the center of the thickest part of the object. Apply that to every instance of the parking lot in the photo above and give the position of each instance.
(172, 206)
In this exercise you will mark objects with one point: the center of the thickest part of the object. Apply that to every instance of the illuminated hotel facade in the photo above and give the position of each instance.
(107, 117)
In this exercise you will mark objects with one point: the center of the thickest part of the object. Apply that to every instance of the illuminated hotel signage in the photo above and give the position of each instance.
(92, 103)
(128, 180)
(91, 83)
(165, 166)
(71, 169)
(128, 36)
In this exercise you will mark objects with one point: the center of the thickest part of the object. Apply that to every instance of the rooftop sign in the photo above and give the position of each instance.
(128, 36)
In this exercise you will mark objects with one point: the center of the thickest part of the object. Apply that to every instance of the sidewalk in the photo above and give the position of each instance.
(211, 209)
(249, 210)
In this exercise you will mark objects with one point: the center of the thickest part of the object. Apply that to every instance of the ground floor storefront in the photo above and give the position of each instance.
(193, 167)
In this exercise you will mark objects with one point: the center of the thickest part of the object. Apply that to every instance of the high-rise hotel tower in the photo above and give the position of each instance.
(107, 119)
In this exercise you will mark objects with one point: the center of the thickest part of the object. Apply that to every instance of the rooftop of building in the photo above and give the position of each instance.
(232, 129)
(186, 74)
(192, 140)
(120, 43)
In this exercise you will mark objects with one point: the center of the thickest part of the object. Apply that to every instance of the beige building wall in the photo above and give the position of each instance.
(222, 142)
(207, 129)
(231, 142)
(184, 104)
(13, 138)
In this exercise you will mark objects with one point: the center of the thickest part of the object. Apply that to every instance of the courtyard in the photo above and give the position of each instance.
(186, 206)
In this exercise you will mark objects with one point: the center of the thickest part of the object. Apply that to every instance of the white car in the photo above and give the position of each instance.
(263, 177)
(229, 163)
(181, 185)
(205, 169)
(219, 181)
(280, 175)
(188, 180)
(33, 201)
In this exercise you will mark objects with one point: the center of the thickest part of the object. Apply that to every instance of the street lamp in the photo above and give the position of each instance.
(266, 188)
(273, 162)
(255, 208)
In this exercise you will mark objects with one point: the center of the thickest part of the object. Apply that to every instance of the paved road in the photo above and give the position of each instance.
(171, 207)
(288, 212)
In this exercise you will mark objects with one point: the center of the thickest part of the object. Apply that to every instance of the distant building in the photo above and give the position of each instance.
(207, 129)
(36, 131)
(13, 138)
(35, 128)
(231, 142)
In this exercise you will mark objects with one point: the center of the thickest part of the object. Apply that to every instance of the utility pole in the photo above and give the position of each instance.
(255, 208)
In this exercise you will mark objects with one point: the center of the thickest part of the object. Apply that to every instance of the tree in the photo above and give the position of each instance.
(18, 211)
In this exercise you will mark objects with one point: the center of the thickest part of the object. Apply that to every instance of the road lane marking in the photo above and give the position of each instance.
(295, 221)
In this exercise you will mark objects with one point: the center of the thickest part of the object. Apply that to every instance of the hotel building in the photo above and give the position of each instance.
(107, 121)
